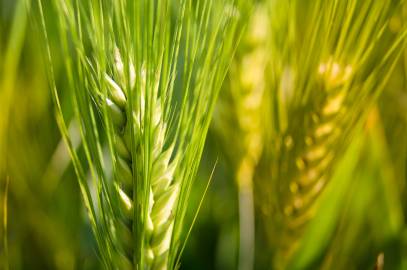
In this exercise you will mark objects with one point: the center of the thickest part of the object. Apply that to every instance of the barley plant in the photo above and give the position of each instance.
(329, 61)
(239, 124)
(144, 77)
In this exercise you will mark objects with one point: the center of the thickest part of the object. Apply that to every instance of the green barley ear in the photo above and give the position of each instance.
(329, 61)
(144, 77)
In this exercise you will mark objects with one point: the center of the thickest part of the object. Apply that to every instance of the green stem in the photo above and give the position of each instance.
(246, 215)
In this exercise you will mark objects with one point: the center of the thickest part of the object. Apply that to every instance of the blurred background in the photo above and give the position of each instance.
(358, 221)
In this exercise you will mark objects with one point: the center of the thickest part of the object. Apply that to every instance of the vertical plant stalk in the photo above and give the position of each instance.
(9, 69)
(4, 225)
(246, 215)
(9, 66)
